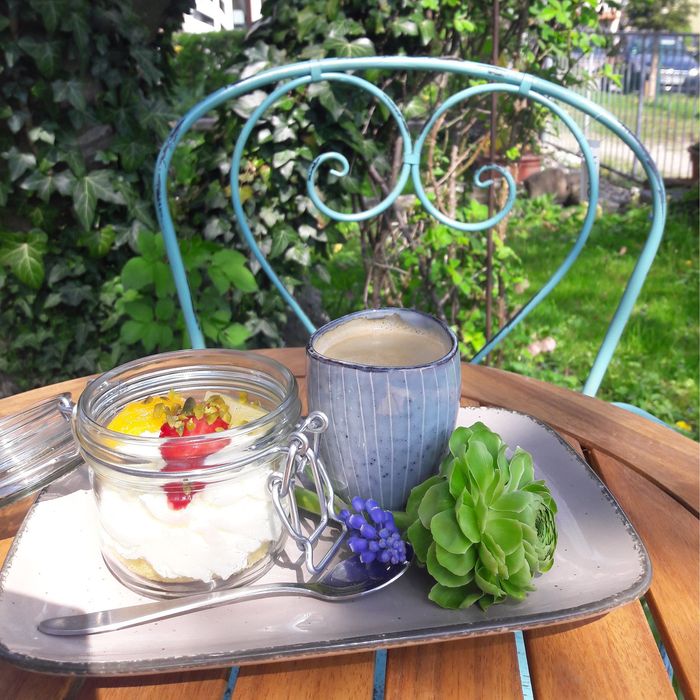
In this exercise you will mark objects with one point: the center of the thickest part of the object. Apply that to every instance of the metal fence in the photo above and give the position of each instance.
(655, 94)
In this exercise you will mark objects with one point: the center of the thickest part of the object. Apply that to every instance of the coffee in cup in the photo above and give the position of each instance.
(389, 382)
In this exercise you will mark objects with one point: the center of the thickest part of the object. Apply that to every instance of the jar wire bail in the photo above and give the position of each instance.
(302, 456)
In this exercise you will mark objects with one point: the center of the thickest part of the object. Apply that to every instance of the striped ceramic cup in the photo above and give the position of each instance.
(389, 382)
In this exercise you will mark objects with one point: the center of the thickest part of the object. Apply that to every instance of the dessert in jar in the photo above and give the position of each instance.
(180, 447)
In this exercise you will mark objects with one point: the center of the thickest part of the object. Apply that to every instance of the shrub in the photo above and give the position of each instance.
(83, 105)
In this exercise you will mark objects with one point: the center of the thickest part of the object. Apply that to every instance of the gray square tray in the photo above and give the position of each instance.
(55, 568)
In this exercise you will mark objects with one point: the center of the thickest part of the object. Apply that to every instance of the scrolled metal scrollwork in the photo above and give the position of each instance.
(283, 79)
(410, 167)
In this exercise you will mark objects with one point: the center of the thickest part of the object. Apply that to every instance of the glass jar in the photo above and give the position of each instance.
(229, 531)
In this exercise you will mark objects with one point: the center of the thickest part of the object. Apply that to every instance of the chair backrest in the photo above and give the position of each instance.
(281, 81)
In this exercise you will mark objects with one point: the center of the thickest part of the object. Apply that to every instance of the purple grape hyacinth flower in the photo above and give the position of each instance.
(372, 533)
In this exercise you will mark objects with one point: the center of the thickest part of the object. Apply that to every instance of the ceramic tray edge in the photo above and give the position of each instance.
(339, 646)
(298, 651)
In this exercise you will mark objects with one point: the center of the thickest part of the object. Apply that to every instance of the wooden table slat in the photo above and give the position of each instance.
(613, 657)
(18, 684)
(484, 667)
(191, 685)
(329, 678)
(672, 539)
(615, 662)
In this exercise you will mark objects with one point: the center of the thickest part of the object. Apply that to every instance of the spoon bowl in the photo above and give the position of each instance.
(348, 579)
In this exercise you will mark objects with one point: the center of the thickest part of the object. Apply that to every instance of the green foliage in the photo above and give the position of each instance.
(272, 187)
(483, 527)
(88, 96)
(149, 303)
(81, 111)
(421, 262)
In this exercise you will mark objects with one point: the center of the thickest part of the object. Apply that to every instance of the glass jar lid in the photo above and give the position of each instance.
(36, 447)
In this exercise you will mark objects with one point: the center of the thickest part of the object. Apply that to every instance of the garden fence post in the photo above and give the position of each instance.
(595, 151)
(640, 99)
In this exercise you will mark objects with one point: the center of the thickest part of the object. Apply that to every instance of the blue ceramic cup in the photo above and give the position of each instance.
(389, 425)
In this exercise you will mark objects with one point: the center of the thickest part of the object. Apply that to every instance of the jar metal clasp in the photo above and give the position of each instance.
(302, 458)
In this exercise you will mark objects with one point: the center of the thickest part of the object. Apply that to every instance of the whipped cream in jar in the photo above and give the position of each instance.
(180, 447)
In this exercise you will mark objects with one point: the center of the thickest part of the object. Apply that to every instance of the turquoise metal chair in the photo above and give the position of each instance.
(281, 81)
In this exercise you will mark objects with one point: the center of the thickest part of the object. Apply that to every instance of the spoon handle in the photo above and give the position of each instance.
(118, 618)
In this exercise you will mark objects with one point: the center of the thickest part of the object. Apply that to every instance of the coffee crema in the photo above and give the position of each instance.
(384, 341)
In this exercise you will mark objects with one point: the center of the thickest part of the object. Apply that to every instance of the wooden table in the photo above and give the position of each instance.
(652, 471)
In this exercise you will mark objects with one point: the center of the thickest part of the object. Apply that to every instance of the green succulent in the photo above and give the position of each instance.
(483, 526)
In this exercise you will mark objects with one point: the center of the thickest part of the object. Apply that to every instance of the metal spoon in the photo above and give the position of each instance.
(348, 579)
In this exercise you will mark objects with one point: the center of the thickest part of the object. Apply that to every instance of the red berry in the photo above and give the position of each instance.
(181, 455)
(180, 493)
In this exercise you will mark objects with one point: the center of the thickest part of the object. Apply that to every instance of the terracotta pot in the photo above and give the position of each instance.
(521, 169)
(528, 164)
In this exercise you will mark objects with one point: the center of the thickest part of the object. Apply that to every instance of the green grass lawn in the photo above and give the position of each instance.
(656, 363)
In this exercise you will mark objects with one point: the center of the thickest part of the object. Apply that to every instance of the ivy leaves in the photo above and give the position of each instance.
(92, 186)
(343, 48)
(80, 124)
(24, 255)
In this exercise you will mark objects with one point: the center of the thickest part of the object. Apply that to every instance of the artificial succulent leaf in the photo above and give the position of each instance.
(459, 441)
(539, 488)
(529, 531)
(492, 441)
(487, 581)
(416, 495)
(522, 470)
(460, 564)
(457, 479)
(451, 598)
(447, 533)
(502, 462)
(514, 591)
(466, 498)
(546, 564)
(443, 575)
(495, 488)
(547, 537)
(420, 539)
(480, 464)
(436, 499)
(482, 510)
(513, 501)
(524, 517)
(486, 601)
(507, 534)
(531, 556)
(488, 560)
(515, 559)
(445, 465)
(466, 517)
(522, 577)
(496, 551)
(472, 597)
